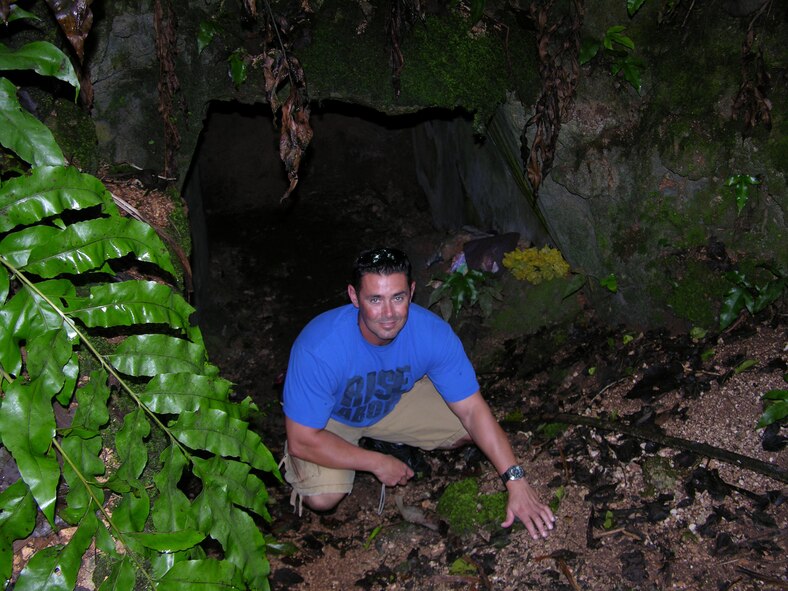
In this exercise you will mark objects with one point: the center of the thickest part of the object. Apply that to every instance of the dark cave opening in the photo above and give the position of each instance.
(263, 267)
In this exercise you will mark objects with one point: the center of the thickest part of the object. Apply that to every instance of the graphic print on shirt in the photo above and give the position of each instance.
(371, 397)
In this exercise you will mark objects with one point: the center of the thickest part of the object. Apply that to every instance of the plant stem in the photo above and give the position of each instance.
(118, 534)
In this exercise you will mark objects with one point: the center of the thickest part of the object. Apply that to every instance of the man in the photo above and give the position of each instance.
(387, 369)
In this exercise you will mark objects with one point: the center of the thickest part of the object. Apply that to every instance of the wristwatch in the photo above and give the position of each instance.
(514, 473)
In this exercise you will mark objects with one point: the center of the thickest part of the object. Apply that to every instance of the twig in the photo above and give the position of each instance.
(562, 566)
(778, 583)
(701, 449)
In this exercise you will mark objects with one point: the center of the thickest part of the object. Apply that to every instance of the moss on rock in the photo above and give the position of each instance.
(465, 509)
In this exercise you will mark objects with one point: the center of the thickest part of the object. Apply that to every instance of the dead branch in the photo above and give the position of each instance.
(649, 434)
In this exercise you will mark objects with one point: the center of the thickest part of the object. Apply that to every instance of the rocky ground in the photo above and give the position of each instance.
(633, 513)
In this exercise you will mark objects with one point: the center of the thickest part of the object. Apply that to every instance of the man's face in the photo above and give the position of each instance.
(382, 303)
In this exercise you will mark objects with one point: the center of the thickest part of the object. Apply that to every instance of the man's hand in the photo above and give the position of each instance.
(327, 449)
(524, 505)
(391, 471)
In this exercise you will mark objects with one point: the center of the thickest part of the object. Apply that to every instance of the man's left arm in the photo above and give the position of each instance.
(523, 503)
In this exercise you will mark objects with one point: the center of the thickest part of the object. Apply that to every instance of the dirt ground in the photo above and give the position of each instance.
(633, 513)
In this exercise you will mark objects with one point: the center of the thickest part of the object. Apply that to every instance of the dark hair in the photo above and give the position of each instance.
(381, 261)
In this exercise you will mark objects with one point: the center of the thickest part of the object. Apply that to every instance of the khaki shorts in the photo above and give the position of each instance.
(421, 419)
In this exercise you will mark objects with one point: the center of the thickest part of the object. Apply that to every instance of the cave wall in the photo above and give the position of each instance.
(638, 185)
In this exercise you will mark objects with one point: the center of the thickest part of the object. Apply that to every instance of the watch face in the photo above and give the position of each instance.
(515, 472)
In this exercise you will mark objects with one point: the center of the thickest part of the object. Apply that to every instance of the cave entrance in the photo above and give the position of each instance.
(263, 267)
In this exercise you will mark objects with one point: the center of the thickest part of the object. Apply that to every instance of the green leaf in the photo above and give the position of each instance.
(588, 50)
(236, 480)
(132, 512)
(633, 6)
(18, 13)
(85, 246)
(49, 191)
(154, 354)
(614, 36)
(85, 453)
(776, 411)
(17, 519)
(477, 10)
(55, 568)
(15, 248)
(132, 303)
(205, 575)
(776, 395)
(47, 355)
(27, 424)
(237, 68)
(219, 433)
(241, 539)
(130, 445)
(92, 412)
(23, 318)
(171, 510)
(176, 392)
(207, 31)
(610, 283)
(41, 57)
(745, 365)
(734, 302)
(23, 134)
(122, 577)
(5, 284)
(71, 376)
(168, 541)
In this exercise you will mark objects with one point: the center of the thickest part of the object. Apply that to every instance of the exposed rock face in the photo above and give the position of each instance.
(638, 185)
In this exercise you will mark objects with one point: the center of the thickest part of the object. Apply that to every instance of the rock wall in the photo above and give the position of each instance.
(638, 186)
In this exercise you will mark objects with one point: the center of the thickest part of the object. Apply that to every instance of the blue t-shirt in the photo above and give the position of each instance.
(335, 373)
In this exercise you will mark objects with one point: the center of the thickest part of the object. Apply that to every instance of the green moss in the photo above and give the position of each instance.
(445, 65)
(342, 61)
(659, 475)
(75, 134)
(697, 293)
(465, 509)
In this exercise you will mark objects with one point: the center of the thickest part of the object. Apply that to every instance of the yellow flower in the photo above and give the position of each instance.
(536, 265)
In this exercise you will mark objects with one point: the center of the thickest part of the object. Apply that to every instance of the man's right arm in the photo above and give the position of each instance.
(327, 449)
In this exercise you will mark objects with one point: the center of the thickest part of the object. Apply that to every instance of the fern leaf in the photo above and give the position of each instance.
(85, 453)
(130, 445)
(49, 191)
(55, 568)
(133, 302)
(41, 57)
(171, 510)
(122, 577)
(177, 392)
(219, 433)
(241, 540)
(16, 247)
(154, 354)
(206, 575)
(235, 478)
(85, 246)
(23, 134)
(168, 541)
(48, 354)
(27, 425)
(17, 519)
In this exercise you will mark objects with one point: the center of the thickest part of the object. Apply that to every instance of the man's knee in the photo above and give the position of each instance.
(324, 502)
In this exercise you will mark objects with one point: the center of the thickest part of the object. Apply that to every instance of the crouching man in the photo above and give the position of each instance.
(385, 368)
